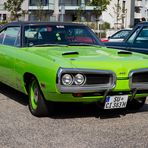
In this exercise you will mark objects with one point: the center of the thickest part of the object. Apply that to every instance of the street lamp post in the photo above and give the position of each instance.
(62, 11)
(123, 13)
(118, 5)
(82, 7)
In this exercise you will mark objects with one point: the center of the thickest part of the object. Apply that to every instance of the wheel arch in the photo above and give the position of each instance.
(27, 78)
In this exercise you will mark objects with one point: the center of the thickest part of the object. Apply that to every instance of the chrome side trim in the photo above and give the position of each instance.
(138, 86)
(85, 88)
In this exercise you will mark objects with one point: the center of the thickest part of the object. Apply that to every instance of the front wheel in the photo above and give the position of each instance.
(136, 104)
(38, 106)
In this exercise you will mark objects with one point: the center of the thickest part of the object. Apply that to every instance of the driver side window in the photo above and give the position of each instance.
(10, 36)
(142, 38)
(2, 33)
(133, 36)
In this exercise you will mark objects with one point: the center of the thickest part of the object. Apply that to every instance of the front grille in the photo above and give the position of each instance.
(139, 80)
(141, 77)
(98, 79)
(95, 80)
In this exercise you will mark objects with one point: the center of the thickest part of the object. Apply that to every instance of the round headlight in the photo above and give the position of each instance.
(79, 79)
(67, 80)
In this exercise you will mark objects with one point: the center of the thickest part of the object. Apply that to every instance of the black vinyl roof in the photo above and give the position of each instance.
(142, 24)
(21, 23)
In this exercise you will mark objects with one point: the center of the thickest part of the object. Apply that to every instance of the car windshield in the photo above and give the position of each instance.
(46, 35)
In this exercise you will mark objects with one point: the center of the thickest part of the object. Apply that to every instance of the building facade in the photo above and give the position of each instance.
(130, 11)
(3, 13)
(141, 10)
(120, 13)
(53, 10)
(61, 10)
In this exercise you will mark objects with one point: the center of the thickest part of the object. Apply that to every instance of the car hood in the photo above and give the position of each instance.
(94, 57)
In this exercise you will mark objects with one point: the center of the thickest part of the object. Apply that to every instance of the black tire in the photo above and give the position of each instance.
(38, 106)
(136, 104)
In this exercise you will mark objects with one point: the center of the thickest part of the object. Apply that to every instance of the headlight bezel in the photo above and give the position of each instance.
(83, 82)
(84, 87)
(74, 79)
(71, 77)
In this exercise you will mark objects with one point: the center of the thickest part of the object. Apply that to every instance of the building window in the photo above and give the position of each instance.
(136, 21)
(4, 17)
(70, 2)
(137, 9)
(38, 2)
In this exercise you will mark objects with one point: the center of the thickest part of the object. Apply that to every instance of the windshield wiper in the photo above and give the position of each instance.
(81, 44)
(46, 45)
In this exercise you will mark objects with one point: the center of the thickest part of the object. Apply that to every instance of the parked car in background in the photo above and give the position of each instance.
(118, 36)
(104, 39)
(65, 62)
(136, 41)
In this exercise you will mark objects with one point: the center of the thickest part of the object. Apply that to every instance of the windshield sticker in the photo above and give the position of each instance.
(57, 34)
(60, 27)
(58, 37)
(49, 29)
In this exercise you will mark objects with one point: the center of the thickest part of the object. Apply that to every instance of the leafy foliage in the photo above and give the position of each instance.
(105, 26)
(40, 14)
(79, 14)
(14, 7)
(101, 5)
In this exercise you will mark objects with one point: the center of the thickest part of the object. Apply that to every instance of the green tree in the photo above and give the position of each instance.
(105, 26)
(79, 14)
(100, 6)
(14, 7)
(40, 14)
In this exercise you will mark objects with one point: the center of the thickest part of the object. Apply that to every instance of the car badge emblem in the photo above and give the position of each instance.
(122, 73)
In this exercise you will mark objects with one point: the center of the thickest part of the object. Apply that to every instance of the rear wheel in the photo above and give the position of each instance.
(136, 104)
(38, 106)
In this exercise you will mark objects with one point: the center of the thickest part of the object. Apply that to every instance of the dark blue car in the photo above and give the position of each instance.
(136, 41)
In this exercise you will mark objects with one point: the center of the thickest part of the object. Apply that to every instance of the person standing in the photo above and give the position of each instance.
(143, 19)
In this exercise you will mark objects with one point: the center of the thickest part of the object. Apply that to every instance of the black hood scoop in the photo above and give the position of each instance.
(70, 53)
(125, 52)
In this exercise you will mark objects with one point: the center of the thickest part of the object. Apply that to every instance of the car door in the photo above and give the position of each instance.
(140, 43)
(8, 53)
(117, 45)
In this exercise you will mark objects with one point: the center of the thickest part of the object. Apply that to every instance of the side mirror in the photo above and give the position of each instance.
(109, 37)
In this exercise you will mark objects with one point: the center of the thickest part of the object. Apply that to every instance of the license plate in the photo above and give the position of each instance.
(113, 102)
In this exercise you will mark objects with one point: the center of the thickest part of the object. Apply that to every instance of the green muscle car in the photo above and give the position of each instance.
(65, 62)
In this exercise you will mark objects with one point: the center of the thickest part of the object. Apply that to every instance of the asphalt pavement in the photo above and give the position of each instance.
(72, 126)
